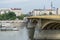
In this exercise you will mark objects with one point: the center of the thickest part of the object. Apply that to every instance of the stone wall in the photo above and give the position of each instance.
(12, 23)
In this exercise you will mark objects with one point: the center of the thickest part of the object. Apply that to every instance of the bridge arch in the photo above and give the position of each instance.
(51, 25)
(34, 21)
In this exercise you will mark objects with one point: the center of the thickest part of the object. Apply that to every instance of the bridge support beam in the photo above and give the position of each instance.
(31, 33)
(40, 24)
(31, 28)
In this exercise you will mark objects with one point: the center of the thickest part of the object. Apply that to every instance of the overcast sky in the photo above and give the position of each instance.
(28, 5)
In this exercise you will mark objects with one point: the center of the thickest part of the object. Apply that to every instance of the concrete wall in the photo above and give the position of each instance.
(13, 23)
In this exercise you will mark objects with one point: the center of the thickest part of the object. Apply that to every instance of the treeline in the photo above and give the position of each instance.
(11, 16)
(22, 16)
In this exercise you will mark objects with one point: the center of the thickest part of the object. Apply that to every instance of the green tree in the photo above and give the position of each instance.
(21, 17)
(11, 16)
(1, 17)
(8, 16)
(4, 17)
(45, 14)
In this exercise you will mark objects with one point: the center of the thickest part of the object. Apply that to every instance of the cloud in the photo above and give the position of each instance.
(12, 1)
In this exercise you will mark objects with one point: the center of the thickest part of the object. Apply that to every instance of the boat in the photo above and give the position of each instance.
(9, 29)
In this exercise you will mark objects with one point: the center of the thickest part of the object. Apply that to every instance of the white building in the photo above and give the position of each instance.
(18, 11)
(38, 12)
(4, 10)
(58, 11)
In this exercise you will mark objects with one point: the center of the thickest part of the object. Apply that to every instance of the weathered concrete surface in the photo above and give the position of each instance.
(54, 17)
(31, 33)
(47, 34)
(42, 22)
(13, 23)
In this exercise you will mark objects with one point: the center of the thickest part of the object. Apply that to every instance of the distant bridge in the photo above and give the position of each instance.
(47, 22)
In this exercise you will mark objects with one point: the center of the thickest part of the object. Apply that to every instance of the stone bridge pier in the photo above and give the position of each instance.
(41, 24)
(32, 24)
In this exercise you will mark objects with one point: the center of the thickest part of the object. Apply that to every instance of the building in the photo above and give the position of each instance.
(38, 12)
(4, 10)
(18, 11)
(30, 13)
(58, 11)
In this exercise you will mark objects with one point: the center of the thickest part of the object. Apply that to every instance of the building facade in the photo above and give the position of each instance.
(4, 10)
(58, 11)
(17, 11)
(38, 12)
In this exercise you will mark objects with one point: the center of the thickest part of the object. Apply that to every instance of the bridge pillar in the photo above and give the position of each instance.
(31, 25)
(31, 29)
(31, 33)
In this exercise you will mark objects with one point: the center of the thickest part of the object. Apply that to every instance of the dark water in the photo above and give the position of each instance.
(14, 35)
(47, 34)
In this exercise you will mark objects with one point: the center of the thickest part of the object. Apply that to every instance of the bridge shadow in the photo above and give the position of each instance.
(52, 26)
(51, 32)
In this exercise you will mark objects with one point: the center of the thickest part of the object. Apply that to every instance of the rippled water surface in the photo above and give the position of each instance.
(14, 35)
(22, 34)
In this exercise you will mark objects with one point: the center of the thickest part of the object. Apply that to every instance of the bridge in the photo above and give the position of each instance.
(46, 22)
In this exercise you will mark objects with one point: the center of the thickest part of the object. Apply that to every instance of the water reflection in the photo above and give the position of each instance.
(47, 34)
(14, 35)
(22, 34)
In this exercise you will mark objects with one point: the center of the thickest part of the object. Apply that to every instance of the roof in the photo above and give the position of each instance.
(44, 9)
(55, 17)
(15, 8)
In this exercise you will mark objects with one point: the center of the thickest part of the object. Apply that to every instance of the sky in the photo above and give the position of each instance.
(29, 5)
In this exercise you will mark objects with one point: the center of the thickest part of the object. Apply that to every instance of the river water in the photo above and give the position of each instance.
(22, 34)
(14, 35)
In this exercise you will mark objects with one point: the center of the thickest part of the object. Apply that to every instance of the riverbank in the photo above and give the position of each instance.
(12, 23)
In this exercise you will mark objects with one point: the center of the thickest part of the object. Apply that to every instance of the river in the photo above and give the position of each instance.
(22, 34)
(14, 35)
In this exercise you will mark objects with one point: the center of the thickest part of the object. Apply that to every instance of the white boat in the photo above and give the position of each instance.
(9, 29)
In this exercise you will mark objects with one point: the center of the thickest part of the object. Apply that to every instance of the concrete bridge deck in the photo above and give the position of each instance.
(55, 17)
(45, 22)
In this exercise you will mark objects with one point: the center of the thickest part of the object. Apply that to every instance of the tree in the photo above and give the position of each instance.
(8, 16)
(1, 17)
(11, 16)
(45, 14)
(4, 16)
(21, 17)
(50, 13)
